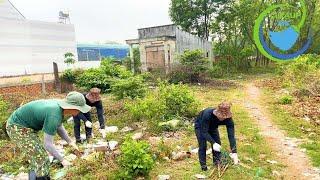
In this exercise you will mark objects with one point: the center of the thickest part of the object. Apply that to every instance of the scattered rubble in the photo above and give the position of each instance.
(127, 129)
(200, 176)
(111, 129)
(137, 136)
(71, 157)
(22, 176)
(163, 177)
(173, 123)
(181, 155)
(272, 161)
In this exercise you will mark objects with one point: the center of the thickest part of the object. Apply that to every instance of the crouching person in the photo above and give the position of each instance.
(93, 99)
(46, 115)
(206, 128)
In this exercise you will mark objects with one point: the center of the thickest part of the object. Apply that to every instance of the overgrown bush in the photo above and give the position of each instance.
(216, 71)
(3, 117)
(70, 75)
(302, 73)
(136, 61)
(192, 65)
(165, 103)
(135, 160)
(102, 77)
(132, 87)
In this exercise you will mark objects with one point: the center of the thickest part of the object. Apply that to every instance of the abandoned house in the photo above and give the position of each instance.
(159, 46)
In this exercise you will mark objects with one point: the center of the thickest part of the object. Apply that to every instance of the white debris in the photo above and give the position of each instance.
(104, 146)
(163, 177)
(180, 155)
(111, 129)
(195, 151)
(275, 173)
(200, 176)
(70, 120)
(272, 161)
(113, 144)
(71, 157)
(126, 129)
(22, 176)
(137, 136)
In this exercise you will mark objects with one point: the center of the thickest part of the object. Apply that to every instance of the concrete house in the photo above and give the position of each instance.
(159, 46)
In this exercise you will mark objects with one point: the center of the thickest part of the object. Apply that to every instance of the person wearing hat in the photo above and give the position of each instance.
(206, 129)
(43, 115)
(93, 99)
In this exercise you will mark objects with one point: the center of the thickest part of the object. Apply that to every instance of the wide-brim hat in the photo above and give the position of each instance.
(223, 111)
(75, 100)
(96, 92)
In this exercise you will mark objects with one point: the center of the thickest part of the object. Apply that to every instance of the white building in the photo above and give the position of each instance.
(28, 46)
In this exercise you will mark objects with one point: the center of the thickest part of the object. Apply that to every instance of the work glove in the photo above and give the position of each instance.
(88, 124)
(216, 147)
(103, 133)
(234, 157)
(66, 163)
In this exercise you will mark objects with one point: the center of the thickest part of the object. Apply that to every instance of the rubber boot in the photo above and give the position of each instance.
(32, 175)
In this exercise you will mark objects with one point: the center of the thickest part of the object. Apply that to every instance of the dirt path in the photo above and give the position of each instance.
(286, 149)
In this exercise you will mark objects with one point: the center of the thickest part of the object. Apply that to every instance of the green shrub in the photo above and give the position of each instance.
(135, 159)
(193, 64)
(95, 77)
(102, 77)
(165, 103)
(70, 75)
(132, 87)
(216, 72)
(286, 100)
(147, 108)
(4, 115)
(177, 99)
(302, 72)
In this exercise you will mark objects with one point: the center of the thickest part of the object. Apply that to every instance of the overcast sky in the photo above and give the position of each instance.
(100, 20)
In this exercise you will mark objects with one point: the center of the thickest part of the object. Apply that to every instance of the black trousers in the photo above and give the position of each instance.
(202, 142)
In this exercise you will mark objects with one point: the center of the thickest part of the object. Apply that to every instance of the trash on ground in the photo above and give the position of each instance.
(172, 123)
(71, 157)
(163, 177)
(111, 129)
(272, 161)
(137, 136)
(181, 155)
(200, 176)
(127, 129)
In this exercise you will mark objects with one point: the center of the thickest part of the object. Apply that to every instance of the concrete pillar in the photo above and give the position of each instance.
(131, 58)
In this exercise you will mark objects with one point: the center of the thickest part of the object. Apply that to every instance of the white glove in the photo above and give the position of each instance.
(66, 163)
(234, 157)
(216, 147)
(103, 133)
(88, 124)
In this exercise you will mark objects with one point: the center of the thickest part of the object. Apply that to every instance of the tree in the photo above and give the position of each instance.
(195, 16)
(69, 58)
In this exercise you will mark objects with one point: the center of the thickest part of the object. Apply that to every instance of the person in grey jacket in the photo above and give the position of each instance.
(43, 115)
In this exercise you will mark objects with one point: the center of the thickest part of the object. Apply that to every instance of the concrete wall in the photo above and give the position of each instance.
(30, 47)
(186, 41)
(159, 31)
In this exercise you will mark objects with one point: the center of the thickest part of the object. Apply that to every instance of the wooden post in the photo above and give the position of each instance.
(57, 82)
(43, 85)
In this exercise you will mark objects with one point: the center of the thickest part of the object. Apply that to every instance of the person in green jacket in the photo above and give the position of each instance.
(43, 115)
